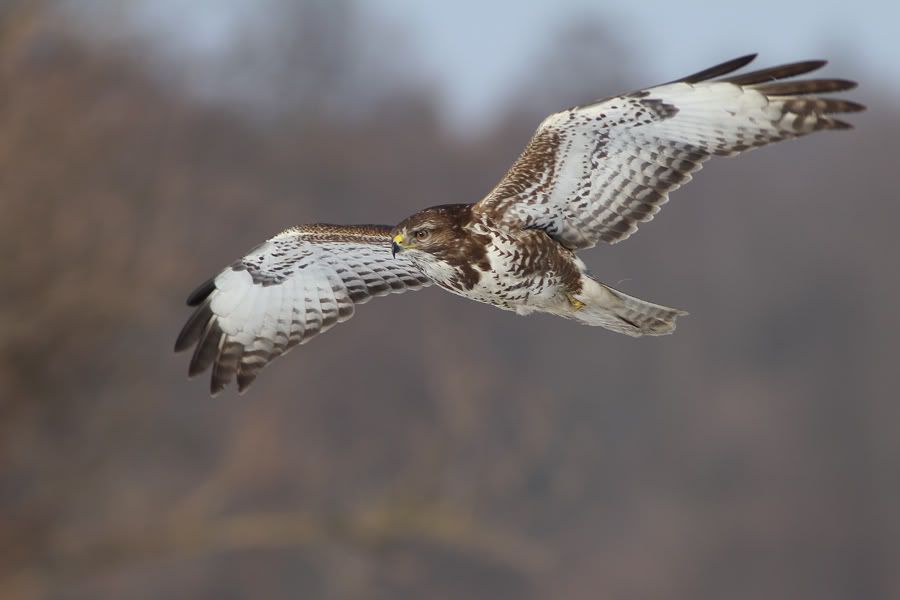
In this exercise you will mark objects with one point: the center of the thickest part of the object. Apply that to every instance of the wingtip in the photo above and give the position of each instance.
(741, 61)
(848, 106)
(837, 124)
(718, 70)
(193, 329)
(771, 74)
(810, 64)
(202, 292)
(207, 348)
(194, 369)
(186, 339)
(244, 379)
(843, 85)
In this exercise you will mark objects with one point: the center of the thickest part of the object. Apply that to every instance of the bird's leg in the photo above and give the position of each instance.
(575, 302)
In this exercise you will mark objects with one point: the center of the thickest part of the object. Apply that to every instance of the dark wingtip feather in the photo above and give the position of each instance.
(718, 70)
(804, 86)
(195, 326)
(775, 73)
(838, 124)
(847, 106)
(245, 378)
(207, 348)
(202, 292)
(841, 85)
(225, 366)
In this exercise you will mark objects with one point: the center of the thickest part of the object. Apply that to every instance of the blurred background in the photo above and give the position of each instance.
(434, 447)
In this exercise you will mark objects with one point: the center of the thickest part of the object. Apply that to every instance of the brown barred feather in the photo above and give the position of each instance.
(247, 375)
(252, 362)
(226, 365)
(804, 86)
(207, 348)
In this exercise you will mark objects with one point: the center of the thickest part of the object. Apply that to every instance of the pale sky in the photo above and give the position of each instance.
(479, 47)
(476, 51)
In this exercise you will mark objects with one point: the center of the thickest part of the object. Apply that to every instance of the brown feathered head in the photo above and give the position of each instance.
(433, 230)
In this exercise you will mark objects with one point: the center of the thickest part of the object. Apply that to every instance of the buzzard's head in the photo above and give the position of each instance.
(433, 231)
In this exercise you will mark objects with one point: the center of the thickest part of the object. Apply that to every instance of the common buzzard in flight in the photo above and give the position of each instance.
(590, 174)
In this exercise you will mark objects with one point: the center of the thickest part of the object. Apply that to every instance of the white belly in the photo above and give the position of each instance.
(517, 276)
(501, 287)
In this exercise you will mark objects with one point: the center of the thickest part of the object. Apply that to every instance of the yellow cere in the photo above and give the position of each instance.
(398, 238)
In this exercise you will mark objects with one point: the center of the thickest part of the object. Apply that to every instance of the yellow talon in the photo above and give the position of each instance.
(575, 302)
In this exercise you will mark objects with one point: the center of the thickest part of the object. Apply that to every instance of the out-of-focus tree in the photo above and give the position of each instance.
(751, 454)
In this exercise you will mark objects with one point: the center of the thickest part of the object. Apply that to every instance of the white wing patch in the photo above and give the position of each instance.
(592, 173)
(285, 292)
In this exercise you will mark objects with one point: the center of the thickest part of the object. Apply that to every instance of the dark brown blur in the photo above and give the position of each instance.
(431, 447)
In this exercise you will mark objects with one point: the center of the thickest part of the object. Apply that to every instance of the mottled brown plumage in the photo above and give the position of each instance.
(589, 174)
(451, 240)
(463, 248)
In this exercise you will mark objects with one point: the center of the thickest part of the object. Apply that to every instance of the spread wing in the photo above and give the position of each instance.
(592, 173)
(286, 291)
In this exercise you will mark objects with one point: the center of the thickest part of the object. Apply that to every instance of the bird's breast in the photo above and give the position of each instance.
(514, 270)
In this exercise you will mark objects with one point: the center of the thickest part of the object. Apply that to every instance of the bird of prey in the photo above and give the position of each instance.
(590, 174)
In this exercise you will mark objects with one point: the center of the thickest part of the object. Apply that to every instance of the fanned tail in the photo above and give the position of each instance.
(607, 307)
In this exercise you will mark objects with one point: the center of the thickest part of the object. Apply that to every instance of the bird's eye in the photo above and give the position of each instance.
(423, 234)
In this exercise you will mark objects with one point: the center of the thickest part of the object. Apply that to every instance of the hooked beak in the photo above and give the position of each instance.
(397, 244)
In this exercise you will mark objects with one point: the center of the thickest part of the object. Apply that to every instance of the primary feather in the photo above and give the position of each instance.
(592, 173)
(289, 289)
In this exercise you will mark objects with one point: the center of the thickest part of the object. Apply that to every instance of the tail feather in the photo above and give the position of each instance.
(619, 312)
(645, 317)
